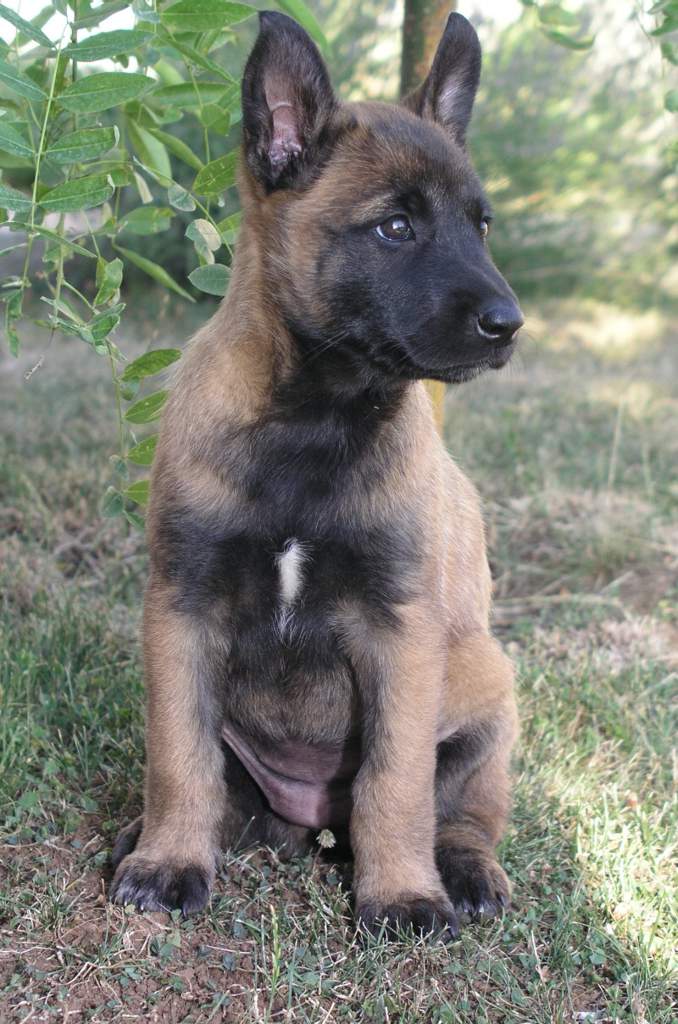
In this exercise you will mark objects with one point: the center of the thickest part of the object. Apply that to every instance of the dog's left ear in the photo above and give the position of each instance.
(287, 103)
(447, 94)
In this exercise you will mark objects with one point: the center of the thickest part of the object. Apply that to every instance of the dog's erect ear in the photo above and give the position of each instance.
(287, 102)
(447, 94)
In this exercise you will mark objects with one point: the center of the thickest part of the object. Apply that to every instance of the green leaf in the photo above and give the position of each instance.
(189, 94)
(669, 52)
(12, 337)
(147, 409)
(13, 142)
(228, 227)
(671, 100)
(217, 175)
(78, 194)
(178, 148)
(194, 56)
(112, 503)
(120, 174)
(214, 117)
(204, 15)
(138, 492)
(142, 453)
(151, 363)
(306, 18)
(119, 466)
(27, 801)
(39, 20)
(109, 279)
(107, 44)
(200, 230)
(93, 15)
(10, 162)
(145, 194)
(669, 24)
(167, 73)
(77, 147)
(20, 83)
(180, 199)
(212, 279)
(130, 391)
(103, 324)
(150, 151)
(158, 273)
(25, 26)
(147, 220)
(64, 307)
(569, 41)
(12, 199)
(553, 14)
(13, 312)
(134, 519)
(102, 91)
(61, 240)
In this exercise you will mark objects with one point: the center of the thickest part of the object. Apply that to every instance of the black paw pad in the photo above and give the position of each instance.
(476, 884)
(161, 887)
(421, 916)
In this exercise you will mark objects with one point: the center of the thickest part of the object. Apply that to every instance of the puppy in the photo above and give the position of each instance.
(316, 626)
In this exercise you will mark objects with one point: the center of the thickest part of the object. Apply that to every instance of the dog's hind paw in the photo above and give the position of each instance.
(475, 882)
(126, 841)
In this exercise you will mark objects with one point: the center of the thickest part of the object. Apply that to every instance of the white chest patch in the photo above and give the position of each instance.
(290, 567)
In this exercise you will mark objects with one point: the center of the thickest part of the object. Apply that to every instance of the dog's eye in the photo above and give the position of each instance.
(484, 227)
(395, 229)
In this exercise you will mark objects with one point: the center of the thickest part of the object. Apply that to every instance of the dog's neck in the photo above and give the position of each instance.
(298, 374)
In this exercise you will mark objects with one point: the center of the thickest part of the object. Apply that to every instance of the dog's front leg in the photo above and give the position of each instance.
(400, 671)
(168, 860)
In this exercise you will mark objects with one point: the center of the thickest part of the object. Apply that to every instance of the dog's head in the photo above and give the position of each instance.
(370, 219)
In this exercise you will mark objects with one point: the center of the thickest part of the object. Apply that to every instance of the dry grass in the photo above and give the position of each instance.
(573, 450)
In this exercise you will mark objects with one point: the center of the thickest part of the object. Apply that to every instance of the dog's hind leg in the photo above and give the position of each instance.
(472, 780)
(249, 820)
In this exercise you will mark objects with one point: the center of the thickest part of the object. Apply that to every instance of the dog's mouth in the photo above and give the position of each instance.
(459, 373)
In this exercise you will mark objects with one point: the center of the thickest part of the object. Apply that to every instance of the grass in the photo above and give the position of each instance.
(572, 450)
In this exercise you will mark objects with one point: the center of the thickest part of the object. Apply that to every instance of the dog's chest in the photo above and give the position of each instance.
(284, 597)
(278, 597)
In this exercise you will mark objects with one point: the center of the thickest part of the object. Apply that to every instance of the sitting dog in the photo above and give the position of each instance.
(316, 638)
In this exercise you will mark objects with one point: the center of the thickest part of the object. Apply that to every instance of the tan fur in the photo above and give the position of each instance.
(443, 671)
(184, 769)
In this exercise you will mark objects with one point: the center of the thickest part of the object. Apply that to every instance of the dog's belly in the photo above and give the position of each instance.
(305, 783)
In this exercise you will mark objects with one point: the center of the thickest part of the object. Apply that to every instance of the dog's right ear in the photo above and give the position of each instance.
(287, 103)
(447, 94)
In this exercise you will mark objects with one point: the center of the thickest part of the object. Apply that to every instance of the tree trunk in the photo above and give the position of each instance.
(423, 26)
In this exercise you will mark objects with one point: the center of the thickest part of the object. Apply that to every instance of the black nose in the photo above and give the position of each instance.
(500, 320)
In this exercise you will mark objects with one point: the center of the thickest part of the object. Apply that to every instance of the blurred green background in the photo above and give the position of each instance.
(575, 147)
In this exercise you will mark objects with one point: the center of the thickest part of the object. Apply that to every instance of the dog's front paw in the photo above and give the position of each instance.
(158, 885)
(475, 882)
(435, 918)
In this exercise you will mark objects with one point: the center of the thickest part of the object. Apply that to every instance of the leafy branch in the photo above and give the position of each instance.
(89, 157)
